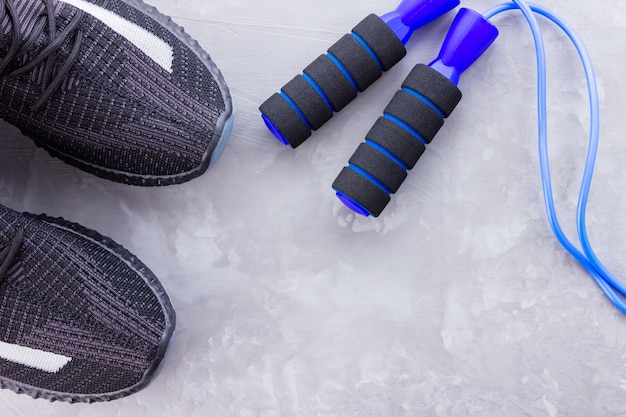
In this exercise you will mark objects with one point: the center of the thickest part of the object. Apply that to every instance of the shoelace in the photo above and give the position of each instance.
(50, 82)
(8, 254)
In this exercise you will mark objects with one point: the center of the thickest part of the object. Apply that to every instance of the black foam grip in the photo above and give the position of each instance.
(361, 190)
(397, 140)
(331, 81)
(285, 119)
(379, 166)
(381, 39)
(312, 106)
(394, 142)
(356, 60)
(416, 114)
(435, 87)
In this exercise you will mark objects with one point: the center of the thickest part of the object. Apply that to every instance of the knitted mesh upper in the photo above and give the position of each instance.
(74, 293)
(117, 110)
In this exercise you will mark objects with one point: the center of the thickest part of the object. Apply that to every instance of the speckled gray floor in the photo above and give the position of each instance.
(457, 301)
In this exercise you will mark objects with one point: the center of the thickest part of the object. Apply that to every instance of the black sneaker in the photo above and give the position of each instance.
(112, 87)
(81, 319)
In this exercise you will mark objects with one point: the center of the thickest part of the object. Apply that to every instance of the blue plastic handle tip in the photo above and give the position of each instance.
(353, 205)
(413, 14)
(272, 128)
(469, 37)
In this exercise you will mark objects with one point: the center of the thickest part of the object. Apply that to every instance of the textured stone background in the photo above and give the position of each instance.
(457, 301)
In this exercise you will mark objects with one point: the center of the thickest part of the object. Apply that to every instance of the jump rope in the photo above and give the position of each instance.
(417, 111)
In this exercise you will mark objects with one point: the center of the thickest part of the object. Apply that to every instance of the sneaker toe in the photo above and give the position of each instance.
(81, 319)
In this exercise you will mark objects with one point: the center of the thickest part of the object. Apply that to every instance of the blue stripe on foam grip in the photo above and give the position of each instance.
(387, 154)
(425, 100)
(406, 127)
(343, 70)
(370, 178)
(297, 109)
(319, 91)
(369, 50)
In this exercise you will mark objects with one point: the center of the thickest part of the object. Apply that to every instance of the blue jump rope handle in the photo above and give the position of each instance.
(412, 118)
(351, 65)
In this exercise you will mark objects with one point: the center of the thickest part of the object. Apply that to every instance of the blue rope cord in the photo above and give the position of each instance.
(610, 285)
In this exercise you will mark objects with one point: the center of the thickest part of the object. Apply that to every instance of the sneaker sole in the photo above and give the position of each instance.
(223, 128)
(153, 283)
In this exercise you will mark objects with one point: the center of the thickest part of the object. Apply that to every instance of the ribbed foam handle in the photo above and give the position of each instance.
(362, 191)
(361, 67)
(396, 141)
(285, 119)
(314, 110)
(377, 163)
(413, 112)
(380, 38)
(332, 81)
(434, 87)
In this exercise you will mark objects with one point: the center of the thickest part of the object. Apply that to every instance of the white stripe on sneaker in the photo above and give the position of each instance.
(156, 48)
(33, 358)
